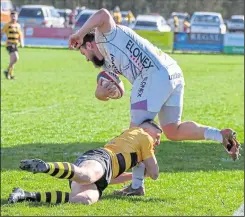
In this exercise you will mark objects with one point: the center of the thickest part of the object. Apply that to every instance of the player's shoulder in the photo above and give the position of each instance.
(133, 132)
(141, 134)
(137, 130)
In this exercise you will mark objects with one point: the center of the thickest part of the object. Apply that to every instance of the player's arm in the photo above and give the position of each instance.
(102, 20)
(124, 177)
(21, 37)
(149, 159)
(151, 167)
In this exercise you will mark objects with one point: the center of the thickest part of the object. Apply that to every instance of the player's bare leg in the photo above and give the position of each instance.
(14, 57)
(85, 194)
(190, 130)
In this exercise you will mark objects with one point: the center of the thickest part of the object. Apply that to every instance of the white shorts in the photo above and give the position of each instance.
(154, 91)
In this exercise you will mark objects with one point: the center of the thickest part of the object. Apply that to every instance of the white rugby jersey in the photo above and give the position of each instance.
(129, 54)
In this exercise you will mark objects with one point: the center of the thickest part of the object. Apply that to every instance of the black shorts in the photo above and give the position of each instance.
(103, 157)
(12, 48)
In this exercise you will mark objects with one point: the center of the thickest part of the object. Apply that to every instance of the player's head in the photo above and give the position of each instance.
(14, 16)
(90, 50)
(153, 129)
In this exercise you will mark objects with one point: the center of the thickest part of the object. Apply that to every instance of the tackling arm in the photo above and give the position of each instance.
(124, 177)
(149, 159)
(151, 167)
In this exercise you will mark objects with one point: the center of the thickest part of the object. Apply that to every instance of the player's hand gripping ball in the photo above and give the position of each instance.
(117, 83)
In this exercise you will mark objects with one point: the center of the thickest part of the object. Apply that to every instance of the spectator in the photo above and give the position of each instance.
(186, 25)
(117, 16)
(14, 36)
(130, 17)
(72, 17)
(176, 24)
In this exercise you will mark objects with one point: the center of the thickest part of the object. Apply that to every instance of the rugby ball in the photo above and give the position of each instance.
(110, 76)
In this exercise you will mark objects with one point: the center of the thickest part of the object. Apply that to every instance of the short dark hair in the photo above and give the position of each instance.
(89, 37)
(13, 12)
(153, 123)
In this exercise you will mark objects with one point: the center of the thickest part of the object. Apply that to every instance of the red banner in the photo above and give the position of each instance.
(43, 32)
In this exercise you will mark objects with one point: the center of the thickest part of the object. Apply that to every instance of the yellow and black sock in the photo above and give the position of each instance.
(48, 197)
(61, 170)
(52, 197)
(10, 71)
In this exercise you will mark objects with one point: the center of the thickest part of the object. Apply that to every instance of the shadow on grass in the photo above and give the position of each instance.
(133, 199)
(171, 156)
(106, 197)
(4, 202)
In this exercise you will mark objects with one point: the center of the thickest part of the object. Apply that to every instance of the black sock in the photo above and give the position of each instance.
(30, 196)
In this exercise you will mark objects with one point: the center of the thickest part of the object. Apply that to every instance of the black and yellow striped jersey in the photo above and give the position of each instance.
(13, 32)
(131, 147)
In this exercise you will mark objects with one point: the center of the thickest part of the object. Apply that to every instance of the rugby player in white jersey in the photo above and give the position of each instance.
(157, 84)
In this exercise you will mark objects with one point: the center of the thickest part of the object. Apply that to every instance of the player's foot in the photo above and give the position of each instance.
(17, 195)
(34, 166)
(230, 142)
(6, 74)
(12, 77)
(129, 191)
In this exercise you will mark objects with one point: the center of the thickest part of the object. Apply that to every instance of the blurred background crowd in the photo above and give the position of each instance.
(212, 16)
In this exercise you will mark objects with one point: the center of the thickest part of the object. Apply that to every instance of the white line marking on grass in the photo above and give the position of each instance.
(227, 160)
(35, 109)
(240, 211)
(77, 153)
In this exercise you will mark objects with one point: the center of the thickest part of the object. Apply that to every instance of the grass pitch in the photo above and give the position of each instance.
(50, 112)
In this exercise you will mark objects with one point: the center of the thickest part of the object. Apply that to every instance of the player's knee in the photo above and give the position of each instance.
(171, 136)
(153, 173)
(85, 178)
(87, 201)
(14, 57)
(13, 61)
(17, 57)
(154, 176)
(171, 132)
(82, 199)
(85, 175)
